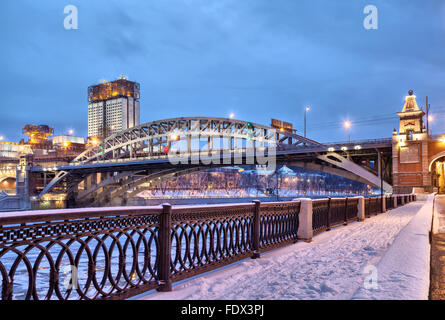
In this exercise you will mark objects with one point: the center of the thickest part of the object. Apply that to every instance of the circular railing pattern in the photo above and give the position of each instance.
(278, 223)
(88, 264)
(93, 254)
(206, 240)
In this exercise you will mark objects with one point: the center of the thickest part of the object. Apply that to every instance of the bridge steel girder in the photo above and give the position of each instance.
(164, 132)
(105, 182)
(138, 190)
(134, 183)
(132, 152)
(329, 169)
(348, 165)
(143, 138)
(344, 169)
(128, 180)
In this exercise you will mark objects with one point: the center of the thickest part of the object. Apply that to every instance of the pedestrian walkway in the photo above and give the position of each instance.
(333, 266)
(437, 287)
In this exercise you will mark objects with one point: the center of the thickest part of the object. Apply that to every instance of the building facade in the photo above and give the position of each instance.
(113, 107)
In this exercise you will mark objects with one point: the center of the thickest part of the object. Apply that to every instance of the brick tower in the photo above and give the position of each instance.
(410, 149)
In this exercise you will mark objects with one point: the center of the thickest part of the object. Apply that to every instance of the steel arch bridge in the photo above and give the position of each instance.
(126, 163)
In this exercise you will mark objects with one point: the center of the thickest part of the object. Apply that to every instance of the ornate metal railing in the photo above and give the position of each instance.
(114, 254)
(352, 209)
(372, 206)
(338, 212)
(389, 203)
(278, 224)
(205, 238)
(320, 215)
(78, 255)
(329, 213)
(110, 253)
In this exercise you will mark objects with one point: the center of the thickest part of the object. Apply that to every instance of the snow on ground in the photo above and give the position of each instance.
(404, 271)
(439, 214)
(330, 267)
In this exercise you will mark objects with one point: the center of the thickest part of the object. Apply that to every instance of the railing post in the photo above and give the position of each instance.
(256, 229)
(6, 289)
(394, 201)
(361, 209)
(305, 231)
(328, 216)
(383, 207)
(366, 201)
(346, 212)
(402, 199)
(165, 282)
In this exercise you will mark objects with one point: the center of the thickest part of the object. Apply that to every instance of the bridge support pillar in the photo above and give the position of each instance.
(71, 201)
(361, 209)
(305, 220)
(94, 179)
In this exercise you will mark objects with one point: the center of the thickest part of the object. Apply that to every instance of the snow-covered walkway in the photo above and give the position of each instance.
(330, 267)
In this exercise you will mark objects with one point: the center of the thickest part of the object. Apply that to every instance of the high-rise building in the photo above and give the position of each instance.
(113, 107)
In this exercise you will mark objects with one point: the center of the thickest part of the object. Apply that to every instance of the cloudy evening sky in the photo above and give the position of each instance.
(259, 59)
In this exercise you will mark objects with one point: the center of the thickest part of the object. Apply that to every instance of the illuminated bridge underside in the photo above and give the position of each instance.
(3, 178)
(351, 167)
(131, 161)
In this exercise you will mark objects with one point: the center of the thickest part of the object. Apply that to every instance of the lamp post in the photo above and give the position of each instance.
(305, 121)
(381, 179)
(430, 121)
(347, 126)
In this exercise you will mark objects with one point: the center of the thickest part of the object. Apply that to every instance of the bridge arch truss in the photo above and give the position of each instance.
(152, 144)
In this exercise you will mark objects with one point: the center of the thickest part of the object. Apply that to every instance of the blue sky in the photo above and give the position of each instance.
(259, 59)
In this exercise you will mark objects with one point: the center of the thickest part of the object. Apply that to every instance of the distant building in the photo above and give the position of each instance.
(113, 107)
(9, 150)
(38, 136)
(66, 142)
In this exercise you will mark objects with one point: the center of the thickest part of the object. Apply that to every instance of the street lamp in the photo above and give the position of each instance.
(305, 115)
(71, 132)
(430, 120)
(1, 138)
(347, 126)
(232, 115)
